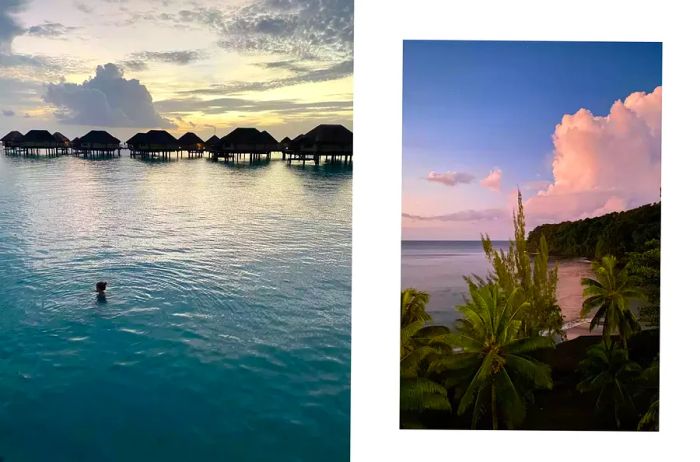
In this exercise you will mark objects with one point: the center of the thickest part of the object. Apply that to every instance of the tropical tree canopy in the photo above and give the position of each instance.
(608, 371)
(419, 345)
(491, 370)
(609, 293)
(538, 283)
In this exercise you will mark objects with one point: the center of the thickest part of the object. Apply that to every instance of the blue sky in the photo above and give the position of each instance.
(471, 106)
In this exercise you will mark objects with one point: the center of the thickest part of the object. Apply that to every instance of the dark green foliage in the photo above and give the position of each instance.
(612, 234)
(491, 371)
(420, 344)
(537, 282)
(608, 372)
(608, 294)
(644, 269)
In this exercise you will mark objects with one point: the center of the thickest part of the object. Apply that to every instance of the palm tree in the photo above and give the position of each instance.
(609, 294)
(492, 369)
(608, 371)
(419, 345)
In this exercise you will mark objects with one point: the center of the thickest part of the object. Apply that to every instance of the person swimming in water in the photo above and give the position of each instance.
(100, 288)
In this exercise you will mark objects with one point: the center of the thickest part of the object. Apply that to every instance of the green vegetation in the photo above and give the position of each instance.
(610, 374)
(612, 234)
(609, 294)
(501, 358)
(491, 371)
(419, 345)
(645, 272)
(538, 283)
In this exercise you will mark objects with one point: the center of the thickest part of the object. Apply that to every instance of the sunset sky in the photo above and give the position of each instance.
(203, 66)
(576, 126)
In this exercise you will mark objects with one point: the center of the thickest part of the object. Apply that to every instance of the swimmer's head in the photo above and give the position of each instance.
(101, 286)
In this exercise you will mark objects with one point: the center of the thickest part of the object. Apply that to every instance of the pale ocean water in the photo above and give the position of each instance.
(225, 332)
(438, 267)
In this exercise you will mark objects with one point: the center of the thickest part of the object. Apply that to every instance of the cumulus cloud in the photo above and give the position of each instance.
(492, 180)
(464, 215)
(107, 99)
(604, 163)
(450, 178)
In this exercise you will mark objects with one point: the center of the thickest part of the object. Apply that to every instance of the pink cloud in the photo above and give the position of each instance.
(450, 178)
(603, 163)
(492, 180)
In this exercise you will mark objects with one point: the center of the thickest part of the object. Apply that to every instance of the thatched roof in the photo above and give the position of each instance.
(330, 133)
(325, 138)
(269, 138)
(76, 142)
(160, 138)
(285, 140)
(61, 138)
(213, 141)
(99, 138)
(12, 137)
(189, 139)
(136, 138)
(248, 140)
(39, 138)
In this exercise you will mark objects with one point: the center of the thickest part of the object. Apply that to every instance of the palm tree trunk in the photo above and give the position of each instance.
(494, 410)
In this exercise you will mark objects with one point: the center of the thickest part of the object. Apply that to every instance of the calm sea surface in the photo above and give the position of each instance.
(438, 267)
(225, 332)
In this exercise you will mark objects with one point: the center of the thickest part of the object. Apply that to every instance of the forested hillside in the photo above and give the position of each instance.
(615, 233)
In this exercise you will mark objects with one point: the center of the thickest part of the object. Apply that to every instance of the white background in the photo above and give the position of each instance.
(380, 27)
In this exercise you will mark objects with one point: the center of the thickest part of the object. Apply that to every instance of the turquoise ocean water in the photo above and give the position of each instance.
(225, 331)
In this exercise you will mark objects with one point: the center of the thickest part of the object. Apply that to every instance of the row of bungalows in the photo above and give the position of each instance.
(35, 142)
(330, 141)
(38, 142)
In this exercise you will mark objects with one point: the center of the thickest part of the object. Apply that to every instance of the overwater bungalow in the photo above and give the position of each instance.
(191, 143)
(75, 144)
(154, 143)
(212, 143)
(98, 143)
(11, 142)
(331, 141)
(37, 142)
(243, 142)
(62, 141)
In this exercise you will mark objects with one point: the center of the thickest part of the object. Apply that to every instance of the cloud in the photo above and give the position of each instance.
(107, 99)
(492, 180)
(604, 163)
(332, 72)
(83, 7)
(173, 57)
(223, 105)
(310, 29)
(135, 65)
(49, 30)
(450, 178)
(9, 27)
(465, 215)
(8, 112)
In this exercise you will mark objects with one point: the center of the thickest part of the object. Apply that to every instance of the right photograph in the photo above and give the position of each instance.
(531, 235)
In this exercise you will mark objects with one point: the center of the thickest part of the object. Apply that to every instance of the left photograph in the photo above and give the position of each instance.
(175, 230)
